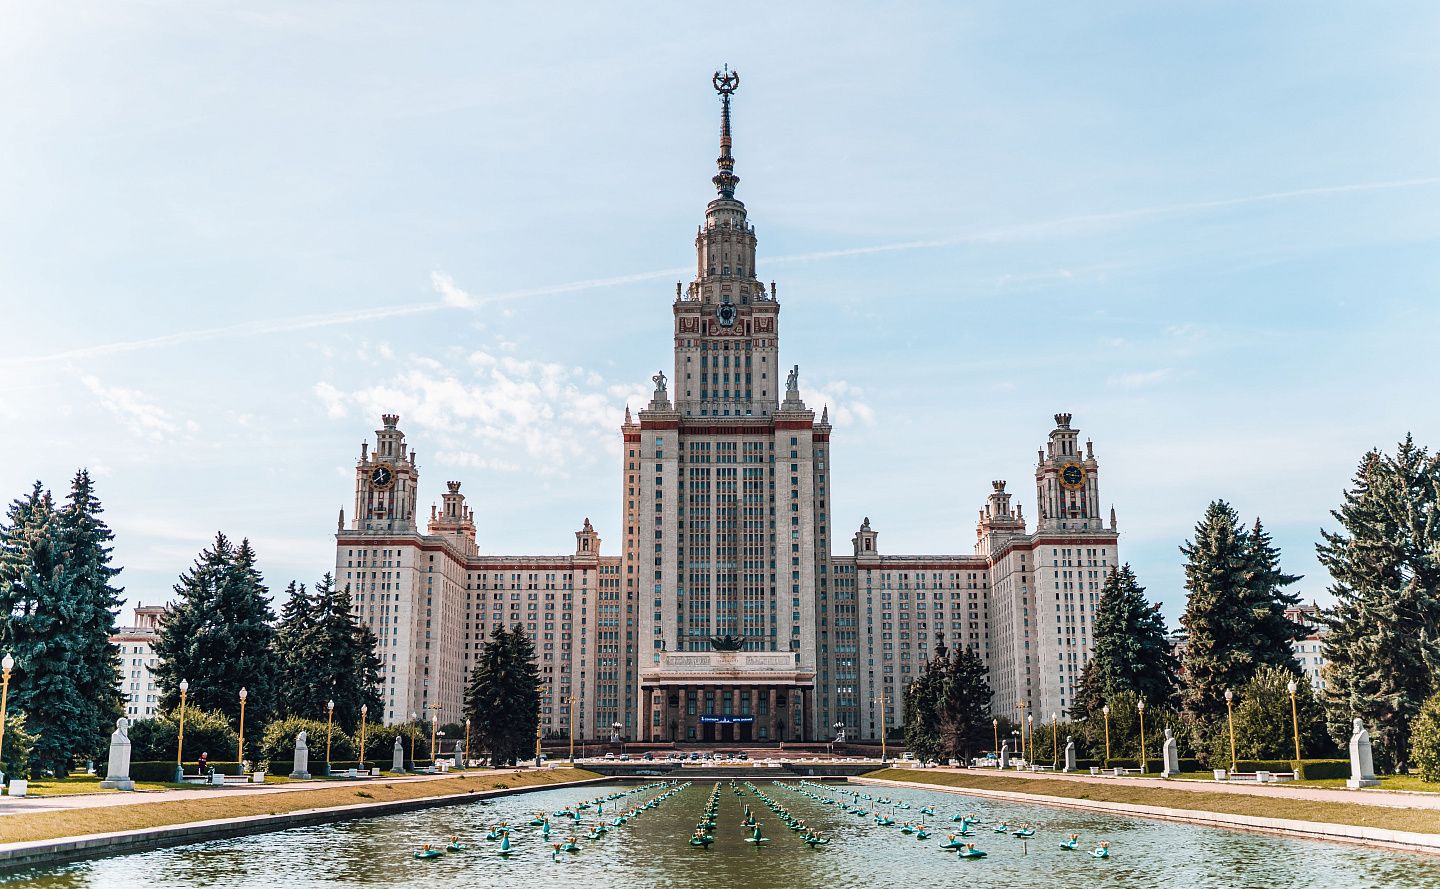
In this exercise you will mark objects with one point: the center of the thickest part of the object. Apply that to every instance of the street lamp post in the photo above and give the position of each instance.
(539, 714)
(1022, 729)
(1144, 762)
(1106, 710)
(1230, 717)
(1055, 738)
(180, 735)
(467, 742)
(1294, 718)
(434, 725)
(570, 708)
(995, 726)
(414, 730)
(881, 699)
(1030, 721)
(364, 711)
(6, 665)
(241, 753)
(329, 730)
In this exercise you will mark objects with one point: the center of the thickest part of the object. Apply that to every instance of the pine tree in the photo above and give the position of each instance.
(88, 550)
(1275, 634)
(947, 707)
(40, 603)
(220, 636)
(1235, 613)
(1131, 651)
(340, 663)
(293, 639)
(503, 698)
(1381, 650)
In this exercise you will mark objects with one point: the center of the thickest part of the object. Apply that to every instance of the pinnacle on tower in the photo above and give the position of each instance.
(725, 82)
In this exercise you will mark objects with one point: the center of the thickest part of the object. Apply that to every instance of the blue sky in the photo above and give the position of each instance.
(234, 233)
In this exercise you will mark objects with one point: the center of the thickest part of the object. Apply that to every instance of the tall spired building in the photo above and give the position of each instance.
(726, 616)
(727, 510)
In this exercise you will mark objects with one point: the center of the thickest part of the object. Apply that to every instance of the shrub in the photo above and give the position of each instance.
(278, 743)
(380, 742)
(1320, 769)
(1425, 740)
(18, 742)
(1263, 725)
(206, 731)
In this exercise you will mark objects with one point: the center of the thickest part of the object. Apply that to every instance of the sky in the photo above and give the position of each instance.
(232, 234)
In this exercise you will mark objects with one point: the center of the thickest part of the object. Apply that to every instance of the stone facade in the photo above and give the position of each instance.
(137, 659)
(725, 616)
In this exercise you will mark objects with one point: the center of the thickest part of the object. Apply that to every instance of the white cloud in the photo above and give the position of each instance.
(332, 398)
(497, 411)
(136, 411)
(846, 402)
(450, 292)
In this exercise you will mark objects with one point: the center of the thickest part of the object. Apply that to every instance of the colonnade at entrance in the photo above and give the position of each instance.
(726, 713)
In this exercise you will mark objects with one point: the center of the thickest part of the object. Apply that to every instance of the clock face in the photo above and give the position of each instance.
(382, 477)
(725, 313)
(1072, 476)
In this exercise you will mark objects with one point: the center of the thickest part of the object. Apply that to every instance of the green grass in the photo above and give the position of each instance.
(1218, 801)
(76, 822)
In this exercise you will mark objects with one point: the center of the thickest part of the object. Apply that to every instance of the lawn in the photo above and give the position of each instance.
(1384, 817)
(77, 822)
(84, 784)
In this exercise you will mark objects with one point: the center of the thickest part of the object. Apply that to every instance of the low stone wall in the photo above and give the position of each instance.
(1401, 840)
(14, 856)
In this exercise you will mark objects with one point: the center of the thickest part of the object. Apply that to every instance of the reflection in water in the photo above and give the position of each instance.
(652, 850)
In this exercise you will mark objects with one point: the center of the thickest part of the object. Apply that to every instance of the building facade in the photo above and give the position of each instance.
(726, 615)
(137, 660)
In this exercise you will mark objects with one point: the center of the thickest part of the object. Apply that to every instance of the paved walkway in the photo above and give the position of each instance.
(63, 802)
(1398, 799)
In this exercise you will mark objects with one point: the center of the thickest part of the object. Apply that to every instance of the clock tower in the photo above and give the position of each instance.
(726, 322)
(385, 482)
(1067, 485)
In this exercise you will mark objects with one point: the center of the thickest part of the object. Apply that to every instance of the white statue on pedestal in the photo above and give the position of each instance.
(397, 758)
(1069, 754)
(1171, 755)
(118, 774)
(302, 758)
(1362, 764)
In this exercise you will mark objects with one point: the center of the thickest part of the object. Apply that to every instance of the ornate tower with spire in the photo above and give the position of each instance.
(726, 322)
(726, 502)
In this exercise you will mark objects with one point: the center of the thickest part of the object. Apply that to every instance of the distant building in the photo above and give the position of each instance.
(137, 660)
(725, 615)
(1308, 648)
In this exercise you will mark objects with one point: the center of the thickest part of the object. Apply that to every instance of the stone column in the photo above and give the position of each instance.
(773, 717)
(117, 776)
(755, 713)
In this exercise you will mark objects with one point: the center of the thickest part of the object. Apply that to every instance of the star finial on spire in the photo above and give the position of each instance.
(726, 82)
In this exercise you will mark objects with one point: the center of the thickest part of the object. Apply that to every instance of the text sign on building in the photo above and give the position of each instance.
(725, 719)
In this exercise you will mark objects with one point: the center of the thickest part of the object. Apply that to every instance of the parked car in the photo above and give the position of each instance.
(609, 756)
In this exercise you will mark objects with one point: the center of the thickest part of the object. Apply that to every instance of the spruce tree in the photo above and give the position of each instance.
(41, 604)
(88, 550)
(219, 635)
(293, 640)
(1235, 612)
(1131, 651)
(503, 697)
(947, 707)
(328, 655)
(1381, 650)
(1274, 634)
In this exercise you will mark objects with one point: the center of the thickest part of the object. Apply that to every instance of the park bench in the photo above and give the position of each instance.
(1120, 773)
(1262, 777)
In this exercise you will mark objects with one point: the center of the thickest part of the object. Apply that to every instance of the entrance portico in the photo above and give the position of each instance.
(727, 696)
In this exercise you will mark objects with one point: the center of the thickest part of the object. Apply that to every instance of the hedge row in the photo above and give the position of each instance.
(164, 770)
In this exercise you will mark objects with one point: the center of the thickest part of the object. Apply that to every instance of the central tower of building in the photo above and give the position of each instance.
(727, 533)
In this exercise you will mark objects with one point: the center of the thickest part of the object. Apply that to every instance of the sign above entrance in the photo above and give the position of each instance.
(725, 719)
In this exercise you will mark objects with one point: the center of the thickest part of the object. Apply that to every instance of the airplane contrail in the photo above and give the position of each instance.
(1017, 231)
